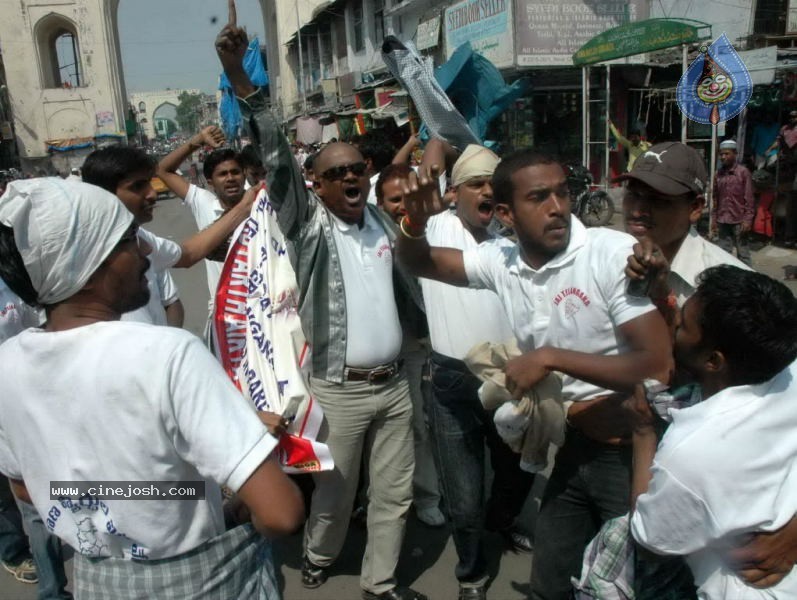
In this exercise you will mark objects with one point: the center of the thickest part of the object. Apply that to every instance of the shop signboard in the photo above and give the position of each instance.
(761, 64)
(486, 24)
(428, 34)
(640, 37)
(791, 18)
(548, 32)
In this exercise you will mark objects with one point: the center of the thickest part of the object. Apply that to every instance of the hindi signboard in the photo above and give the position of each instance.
(486, 24)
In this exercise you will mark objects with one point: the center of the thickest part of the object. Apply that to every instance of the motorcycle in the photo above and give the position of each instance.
(593, 207)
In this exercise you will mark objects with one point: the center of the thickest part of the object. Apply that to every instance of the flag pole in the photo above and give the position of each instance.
(715, 118)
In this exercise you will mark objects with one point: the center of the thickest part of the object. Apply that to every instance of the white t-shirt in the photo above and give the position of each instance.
(459, 318)
(576, 301)
(207, 209)
(162, 289)
(373, 330)
(117, 401)
(442, 181)
(724, 468)
(695, 255)
(15, 315)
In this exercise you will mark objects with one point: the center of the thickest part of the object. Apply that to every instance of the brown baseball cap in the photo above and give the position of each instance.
(671, 168)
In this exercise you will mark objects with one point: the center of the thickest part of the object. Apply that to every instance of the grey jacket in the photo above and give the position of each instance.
(306, 223)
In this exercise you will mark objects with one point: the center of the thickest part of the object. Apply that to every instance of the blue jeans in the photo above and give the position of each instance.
(590, 484)
(460, 427)
(13, 542)
(48, 555)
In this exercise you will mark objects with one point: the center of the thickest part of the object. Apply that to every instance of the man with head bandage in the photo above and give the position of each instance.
(460, 318)
(88, 398)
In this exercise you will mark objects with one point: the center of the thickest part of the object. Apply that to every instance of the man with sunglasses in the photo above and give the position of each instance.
(341, 252)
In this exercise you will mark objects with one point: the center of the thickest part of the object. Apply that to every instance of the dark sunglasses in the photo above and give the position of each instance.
(335, 173)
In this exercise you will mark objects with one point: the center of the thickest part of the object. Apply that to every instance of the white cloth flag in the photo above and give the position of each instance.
(259, 339)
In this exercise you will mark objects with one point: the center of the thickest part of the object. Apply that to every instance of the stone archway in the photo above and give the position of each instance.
(96, 93)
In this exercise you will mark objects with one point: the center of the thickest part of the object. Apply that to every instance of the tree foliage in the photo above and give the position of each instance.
(188, 112)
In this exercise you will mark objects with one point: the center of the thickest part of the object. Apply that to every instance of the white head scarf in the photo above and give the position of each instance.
(63, 231)
(476, 161)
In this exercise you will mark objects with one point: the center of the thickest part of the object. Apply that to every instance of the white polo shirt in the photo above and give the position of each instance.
(207, 209)
(373, 329)
(724, 468)
(576, 301)
(695, 255)
(162, 292)
(460, 318)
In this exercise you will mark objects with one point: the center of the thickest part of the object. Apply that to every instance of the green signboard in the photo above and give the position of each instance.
(639, 37)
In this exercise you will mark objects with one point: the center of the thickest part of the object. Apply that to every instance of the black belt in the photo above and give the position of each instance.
(378, 374)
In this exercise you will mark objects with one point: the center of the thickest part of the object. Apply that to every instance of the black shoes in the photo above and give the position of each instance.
(313, 576)
(397, 593)
(472, 591)
(516, 541)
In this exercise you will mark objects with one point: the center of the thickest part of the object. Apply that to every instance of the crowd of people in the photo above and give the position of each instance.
(660, 365)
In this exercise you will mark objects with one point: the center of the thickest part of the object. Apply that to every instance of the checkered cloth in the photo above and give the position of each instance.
(608, 568)
(614, 570)
(431, 101)
(235, 564)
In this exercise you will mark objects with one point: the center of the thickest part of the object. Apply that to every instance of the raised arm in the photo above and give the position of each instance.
(284, 180)
(422, 200)
(622, 140)
(199, 245)
(404, 154)
(167, 168)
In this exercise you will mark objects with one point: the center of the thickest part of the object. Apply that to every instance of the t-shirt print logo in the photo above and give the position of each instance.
(384, 249)
(571, 308)
(574, 300)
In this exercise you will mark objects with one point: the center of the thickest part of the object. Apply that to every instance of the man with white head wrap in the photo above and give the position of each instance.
(734, 204)
(117, 401)
(460, 318)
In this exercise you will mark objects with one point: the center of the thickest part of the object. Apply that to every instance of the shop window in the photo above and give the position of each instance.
(59, 53)
(358, 27)
(379, 22)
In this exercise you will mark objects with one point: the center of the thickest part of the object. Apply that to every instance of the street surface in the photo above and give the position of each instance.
(428, 558)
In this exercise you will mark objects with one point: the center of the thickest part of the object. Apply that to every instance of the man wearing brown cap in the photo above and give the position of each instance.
(662, 203)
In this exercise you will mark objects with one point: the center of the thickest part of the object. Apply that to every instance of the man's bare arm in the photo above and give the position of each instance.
(422, 200)
(19, 490)
(649, 355)
(175, 314)
(275, 503)
(167, 168)
(199, 245)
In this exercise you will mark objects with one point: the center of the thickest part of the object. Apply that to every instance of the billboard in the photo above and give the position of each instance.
(548, 33)
(486, 24)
